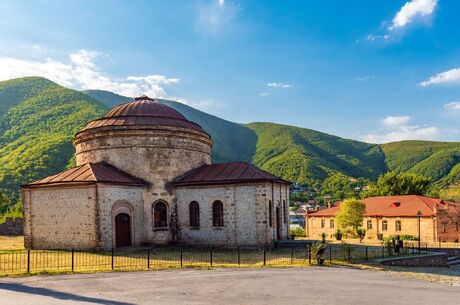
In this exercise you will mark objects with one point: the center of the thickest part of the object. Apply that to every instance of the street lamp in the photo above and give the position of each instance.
(419, 215)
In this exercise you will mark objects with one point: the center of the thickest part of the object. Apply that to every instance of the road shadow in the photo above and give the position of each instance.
(57, 294)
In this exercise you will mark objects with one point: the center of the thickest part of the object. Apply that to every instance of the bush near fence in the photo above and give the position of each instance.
(52, 261)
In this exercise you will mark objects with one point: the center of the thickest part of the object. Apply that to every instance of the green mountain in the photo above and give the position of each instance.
(38, 119)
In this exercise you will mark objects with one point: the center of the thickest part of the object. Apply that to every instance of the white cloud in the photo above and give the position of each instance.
(81, 73)
(403, 133)
(279, 85)
(395, 120)
(265, 94)
(396, 128)
(214, 17)
(452, 106)
(410, 11)
(451, 76)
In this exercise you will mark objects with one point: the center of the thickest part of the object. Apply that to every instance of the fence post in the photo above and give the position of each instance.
(148, 258)
(426, 248)
(383, 251)
(181, 262)
(239, 258)
(265, 256)
(28, 261)
(210, 257)
(330, 253)
(73, 259)
(292, 256)
(367, 254)
(309, 255)
(112, 259)
(349, 254)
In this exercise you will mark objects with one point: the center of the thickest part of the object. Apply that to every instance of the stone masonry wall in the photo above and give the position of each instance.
(60, 217)
(245, 215)
(114, 199)
(12, 226)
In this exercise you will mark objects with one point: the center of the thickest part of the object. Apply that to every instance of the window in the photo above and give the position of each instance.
(398, 225)
(217, 214)
(323, 223)
(284, 211)
(194, 212)
(270, 213)
(160, 215)
(369, 224)
(384, 225)
(331, 223)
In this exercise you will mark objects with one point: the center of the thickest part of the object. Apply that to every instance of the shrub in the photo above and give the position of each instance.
(380, 236)
(323, 238)
(297, 232)
(361, 234)
(338, 235)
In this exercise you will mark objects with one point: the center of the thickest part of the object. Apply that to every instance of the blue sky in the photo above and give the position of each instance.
(372, 70)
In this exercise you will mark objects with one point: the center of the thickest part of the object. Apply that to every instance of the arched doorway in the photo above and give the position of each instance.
(123, 230)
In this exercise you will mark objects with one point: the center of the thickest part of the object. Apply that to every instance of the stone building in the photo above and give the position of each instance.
(395, 215)
(143, 175)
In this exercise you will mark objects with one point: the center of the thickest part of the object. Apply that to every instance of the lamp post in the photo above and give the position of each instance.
(419, 215)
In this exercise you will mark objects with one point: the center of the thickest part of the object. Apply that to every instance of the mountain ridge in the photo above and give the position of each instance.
(38, 119)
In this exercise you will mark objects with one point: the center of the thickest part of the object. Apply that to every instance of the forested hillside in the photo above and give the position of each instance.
(38, 119)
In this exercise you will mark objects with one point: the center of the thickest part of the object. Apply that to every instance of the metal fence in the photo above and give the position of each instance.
(50, 261)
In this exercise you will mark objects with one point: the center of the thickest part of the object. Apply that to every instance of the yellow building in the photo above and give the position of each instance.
(393, 215)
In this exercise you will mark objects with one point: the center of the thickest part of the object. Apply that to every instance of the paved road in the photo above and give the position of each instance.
(228, 286)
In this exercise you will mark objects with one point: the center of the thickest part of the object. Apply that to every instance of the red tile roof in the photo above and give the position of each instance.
(391, 206)
(91, 172)
(223, 173)
(143, 111)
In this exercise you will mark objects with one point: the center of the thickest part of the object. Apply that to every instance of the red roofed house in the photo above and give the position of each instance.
(144, 176)
(394, 215)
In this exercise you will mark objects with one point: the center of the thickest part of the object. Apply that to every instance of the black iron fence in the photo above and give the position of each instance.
(49, 261)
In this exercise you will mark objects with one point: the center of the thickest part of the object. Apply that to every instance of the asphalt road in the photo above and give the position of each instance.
(228, 286)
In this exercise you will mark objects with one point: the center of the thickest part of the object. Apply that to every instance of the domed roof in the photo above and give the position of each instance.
(143, 111)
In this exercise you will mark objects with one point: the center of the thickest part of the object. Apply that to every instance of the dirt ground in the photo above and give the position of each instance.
(11, 242)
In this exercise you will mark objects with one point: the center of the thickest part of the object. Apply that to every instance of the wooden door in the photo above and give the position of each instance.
(123, 230)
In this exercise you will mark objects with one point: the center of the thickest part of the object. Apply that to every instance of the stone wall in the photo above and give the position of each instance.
(12, 226)
(60, 217)
(431, 259)
(115, 199)
(246, 221)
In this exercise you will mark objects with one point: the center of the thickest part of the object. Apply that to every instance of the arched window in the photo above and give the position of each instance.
(160, 215)
(194, 211)
(217, 214)
(270, 213)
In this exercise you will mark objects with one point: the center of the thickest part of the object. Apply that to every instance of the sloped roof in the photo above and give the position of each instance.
(91, 172)
(391, 206)
(224, 173)
(143, 111)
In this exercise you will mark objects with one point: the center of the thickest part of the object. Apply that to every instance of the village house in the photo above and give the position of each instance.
(394, 215)
(143, 175)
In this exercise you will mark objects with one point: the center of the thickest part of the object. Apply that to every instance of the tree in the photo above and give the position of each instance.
(4, 203)
(350, 216)
(392, 184)
(361, 234)
(340, 186)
